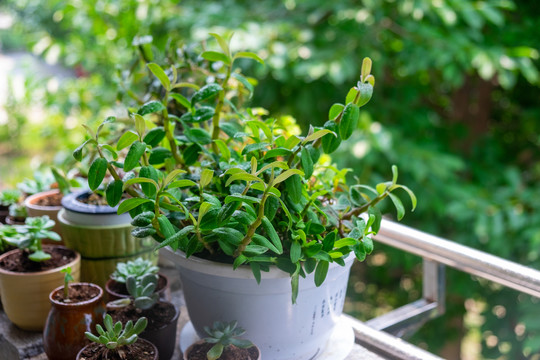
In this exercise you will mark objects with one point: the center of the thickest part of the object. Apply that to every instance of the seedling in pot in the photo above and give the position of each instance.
(223, 335)
(30, 235)
(67, 279)
(115, 337)
(136, 268)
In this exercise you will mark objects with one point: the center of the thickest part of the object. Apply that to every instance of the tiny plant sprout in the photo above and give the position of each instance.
(67, 279)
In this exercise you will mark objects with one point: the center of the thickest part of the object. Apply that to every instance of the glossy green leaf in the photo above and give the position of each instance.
(249, 55)
(296, 251)
(242, 176)
(154, 136)
(317, 134)
(139, 180)
(244, 82)
(223, 43)
(366, 92)
(307, 163)
(165, 226)
(159, 155)
(206, 92)
(130, 204)
(215, 56)
(181, 184)
(151, 107)
(160, 74)
(126, 140)
(286, 174)
(294, 188)
(330, 142)
(114, 192)
(229, 235)
(399, 206)
(321, 271)
(206, 177)
(140, 125)
(149, 172)
(262, 241)
(349, 121)
(272, 234)
(134, 154)
(181, 99)
(78, 152)
(198, 136)
(96, 173)
(224, 151)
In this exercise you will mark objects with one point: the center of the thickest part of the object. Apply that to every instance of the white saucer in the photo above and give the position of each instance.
(342, 341)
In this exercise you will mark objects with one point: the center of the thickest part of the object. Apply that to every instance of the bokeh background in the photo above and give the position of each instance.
(456, 107)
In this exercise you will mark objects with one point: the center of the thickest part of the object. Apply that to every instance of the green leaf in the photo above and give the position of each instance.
(242, 176)
(249, 55)
(114, 192)
(222, 43)
(399, 206)
(215, 56)
(181, 99)
(277, 152)
(134, 154)
(262, 241)
(205, 206)
(160, 74)
(206, 177)
(223, 149)
(206, 92)
(153, 137)
(110, 149)
(159, 155)
(344, 242)
(244, 82)
(307, 163)
(294, 188)
(181, 183)
(286, 174)
(165, 226)
(330, 142)
(77, 153)
(126, 139)
(351, 96)
(256, 270)
(366, 92)
(296, 251)
(335, 110)
(242, 198)
(349, 121)
(140, 125)
(272, 234)
(254, 250)
(317, 134)
(139, 180)
(411, 195)
(309, 265)
(96, 173)
(172, 175)
(149, 172)
(198, 136)
(130, 204)
(151, 107)
(215, 352)
(321, 271)
(39, 255)
(230, 235)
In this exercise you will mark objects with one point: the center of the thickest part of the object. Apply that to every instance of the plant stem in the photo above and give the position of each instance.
(217, 114)
(251, 231)
(357, 211)
(168, 133)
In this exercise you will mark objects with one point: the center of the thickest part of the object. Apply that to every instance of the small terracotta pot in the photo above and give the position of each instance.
(190, 348)
(25, 296)
(66, 324)
(156, 353)
(34, 210)
(162, 289)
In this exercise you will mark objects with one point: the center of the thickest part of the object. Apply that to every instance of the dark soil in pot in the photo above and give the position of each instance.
(50, 200)
(198, 352)
(141, 350)
(161, 328)
(19, 261)
(12, 220)
(76, 293)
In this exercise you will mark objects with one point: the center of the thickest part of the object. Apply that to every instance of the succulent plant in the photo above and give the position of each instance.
(9, 197)
(30, 235)
(223, 335)
(115, 337)
(136, 268)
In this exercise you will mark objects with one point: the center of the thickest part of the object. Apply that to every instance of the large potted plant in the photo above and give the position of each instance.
(30, 273)
(254, 214)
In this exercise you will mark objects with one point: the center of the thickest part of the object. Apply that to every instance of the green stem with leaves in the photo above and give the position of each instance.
(219, 106)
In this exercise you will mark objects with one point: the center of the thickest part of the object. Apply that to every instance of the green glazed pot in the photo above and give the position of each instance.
(102, 237)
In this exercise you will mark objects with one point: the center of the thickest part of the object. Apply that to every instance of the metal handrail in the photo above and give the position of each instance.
(461, 257)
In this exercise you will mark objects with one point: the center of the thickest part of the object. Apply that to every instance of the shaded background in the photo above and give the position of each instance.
(456, 107)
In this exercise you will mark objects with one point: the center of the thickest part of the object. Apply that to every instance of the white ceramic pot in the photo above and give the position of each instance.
(283, 331)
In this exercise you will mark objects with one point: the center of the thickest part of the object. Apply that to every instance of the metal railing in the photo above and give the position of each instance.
(383, 333)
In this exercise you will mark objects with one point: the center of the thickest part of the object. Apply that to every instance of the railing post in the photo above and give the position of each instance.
(434, 284)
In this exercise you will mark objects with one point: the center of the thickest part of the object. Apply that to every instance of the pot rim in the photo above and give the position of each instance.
(37, 273)
(70, 202)
(62, 219)
(29, 202)
(204, 266)
(74, 305)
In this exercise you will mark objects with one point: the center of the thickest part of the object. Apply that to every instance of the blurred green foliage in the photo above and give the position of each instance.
(455, 107)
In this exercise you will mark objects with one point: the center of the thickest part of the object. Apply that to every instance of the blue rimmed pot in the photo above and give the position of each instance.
(101, 236)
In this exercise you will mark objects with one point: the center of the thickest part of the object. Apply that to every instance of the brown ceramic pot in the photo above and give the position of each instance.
(66, 324)
(116, 290)
(156, 354)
